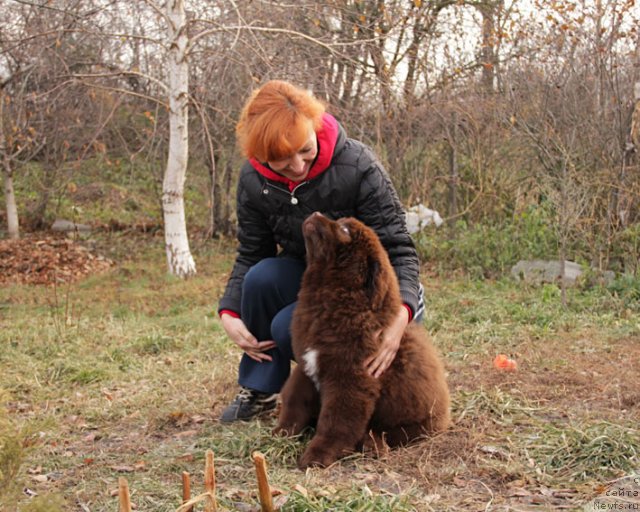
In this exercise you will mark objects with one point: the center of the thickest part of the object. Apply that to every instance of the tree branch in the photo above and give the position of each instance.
(120, 73)
(330, 47)
(44, 6)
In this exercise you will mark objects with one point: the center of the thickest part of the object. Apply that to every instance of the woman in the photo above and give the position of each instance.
(299, 160)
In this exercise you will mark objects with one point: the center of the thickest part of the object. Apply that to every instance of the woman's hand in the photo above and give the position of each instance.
(391, 336)
(240, 335)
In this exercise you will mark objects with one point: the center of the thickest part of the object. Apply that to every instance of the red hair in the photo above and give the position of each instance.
(275, 121)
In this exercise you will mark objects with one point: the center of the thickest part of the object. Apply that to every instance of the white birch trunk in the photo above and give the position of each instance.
(13, 227)
(175, 226)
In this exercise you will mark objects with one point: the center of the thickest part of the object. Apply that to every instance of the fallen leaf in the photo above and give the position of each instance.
(494, 450)
(280, 501)
(244, 507)
(298, 488)
(565, 493)
(459, 482)
(519, 493)
(123, 469)
(186, 433)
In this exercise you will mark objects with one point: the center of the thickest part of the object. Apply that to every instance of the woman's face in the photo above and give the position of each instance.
(297, 166)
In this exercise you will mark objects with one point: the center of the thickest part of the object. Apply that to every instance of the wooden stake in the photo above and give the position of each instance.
(264, 490)
(210, 483)
(123, 495)
(186, 489)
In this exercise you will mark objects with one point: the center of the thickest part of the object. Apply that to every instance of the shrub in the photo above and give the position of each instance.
(626, 249)
(627, 288)
(489, 250)
(11, 455)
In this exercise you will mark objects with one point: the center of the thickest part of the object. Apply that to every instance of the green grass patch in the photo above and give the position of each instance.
(11, 456)
(354, 499)
(111, 192)
(499, 406)
(585, 450)
(470, 317)
(489, 250)
(240, 441)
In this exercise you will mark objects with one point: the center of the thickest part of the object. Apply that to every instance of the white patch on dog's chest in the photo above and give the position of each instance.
(311, 366)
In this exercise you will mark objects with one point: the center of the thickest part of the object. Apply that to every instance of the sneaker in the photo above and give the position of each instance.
(248, 404)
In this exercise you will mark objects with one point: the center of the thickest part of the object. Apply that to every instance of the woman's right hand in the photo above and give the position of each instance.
(240, 335)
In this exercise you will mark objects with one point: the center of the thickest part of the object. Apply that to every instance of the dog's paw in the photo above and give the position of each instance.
(374, 445)
(316, 458)
(284, 430)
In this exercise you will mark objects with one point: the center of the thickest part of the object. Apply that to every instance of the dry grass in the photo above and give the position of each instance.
(125, 374)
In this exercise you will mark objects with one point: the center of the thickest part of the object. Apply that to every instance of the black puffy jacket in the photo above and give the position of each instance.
(351, 183)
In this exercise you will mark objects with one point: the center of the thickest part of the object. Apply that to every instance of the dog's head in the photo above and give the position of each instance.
(351, 253)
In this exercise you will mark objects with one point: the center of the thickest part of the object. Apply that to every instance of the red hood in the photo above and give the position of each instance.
(327, 137)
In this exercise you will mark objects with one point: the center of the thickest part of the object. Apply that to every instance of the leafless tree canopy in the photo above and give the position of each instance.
(479, 108)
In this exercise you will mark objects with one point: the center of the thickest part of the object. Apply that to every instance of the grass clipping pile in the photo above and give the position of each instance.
(46, 260)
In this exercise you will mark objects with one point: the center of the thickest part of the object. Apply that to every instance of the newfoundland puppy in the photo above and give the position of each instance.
(349, 294)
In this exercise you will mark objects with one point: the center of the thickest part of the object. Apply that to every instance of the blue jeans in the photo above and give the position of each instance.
(269, 295)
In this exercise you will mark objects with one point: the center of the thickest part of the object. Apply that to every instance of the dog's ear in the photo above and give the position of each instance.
(374, 283)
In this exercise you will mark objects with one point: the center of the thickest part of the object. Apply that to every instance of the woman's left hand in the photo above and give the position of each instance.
(391, 336)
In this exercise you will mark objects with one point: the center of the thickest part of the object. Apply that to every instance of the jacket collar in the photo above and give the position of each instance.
(327, 136)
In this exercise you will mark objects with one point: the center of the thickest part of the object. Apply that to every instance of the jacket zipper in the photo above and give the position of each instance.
(292, 197)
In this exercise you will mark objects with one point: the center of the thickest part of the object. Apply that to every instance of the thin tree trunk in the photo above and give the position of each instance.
(564, 232)
(225, 219)
(13, 226)
(453, 168)
(412, 65)
(488, 53)
(175, 226)
(214, 198)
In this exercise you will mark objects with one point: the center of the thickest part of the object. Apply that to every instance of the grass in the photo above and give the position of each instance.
(126, 372)
(111, 192)
(11, 455)
(586, 450)
(495, 405)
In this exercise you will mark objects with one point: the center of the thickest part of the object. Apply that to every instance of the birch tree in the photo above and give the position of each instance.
(13, 226)
(179, 257)
(14, 132)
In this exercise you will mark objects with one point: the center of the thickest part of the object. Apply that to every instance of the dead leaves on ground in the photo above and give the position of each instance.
(47, 260)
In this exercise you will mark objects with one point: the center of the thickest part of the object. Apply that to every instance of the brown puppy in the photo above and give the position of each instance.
(349, 294)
